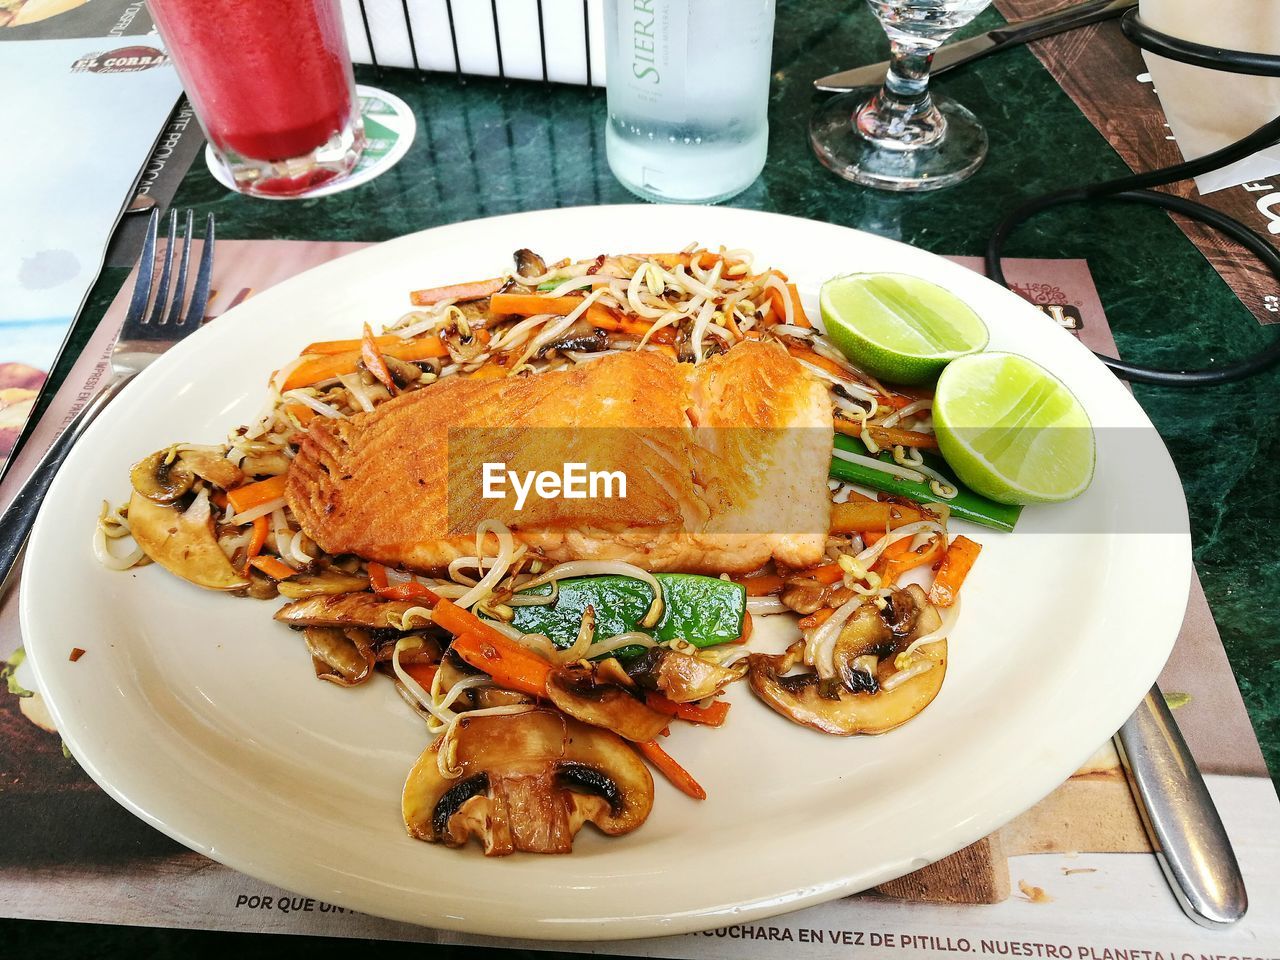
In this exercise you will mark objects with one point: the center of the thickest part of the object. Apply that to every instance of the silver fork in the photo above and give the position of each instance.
(144, 336)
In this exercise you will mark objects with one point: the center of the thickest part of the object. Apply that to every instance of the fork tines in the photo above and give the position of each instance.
(168, 320)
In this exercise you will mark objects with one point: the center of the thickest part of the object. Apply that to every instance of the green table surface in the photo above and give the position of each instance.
(489, 147)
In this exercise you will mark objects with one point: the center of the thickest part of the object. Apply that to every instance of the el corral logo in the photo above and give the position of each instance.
(124, 60)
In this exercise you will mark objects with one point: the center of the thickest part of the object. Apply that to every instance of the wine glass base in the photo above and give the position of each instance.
(842, 149)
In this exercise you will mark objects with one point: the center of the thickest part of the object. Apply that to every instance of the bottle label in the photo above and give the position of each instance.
(653, 43)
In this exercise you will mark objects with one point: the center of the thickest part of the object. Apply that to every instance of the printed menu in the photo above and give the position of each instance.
(1071, 879)
(97, 91)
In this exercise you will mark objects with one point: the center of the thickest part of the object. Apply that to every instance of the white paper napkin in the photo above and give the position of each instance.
(572, 34)
(1208, 109)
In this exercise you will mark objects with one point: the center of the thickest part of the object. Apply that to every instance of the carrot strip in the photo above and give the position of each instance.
(273, 568)
(779, 312)
(300, 412)
(816, 619)
(489, 370)
(892, 436)
(762, 584)
(929, 553)
(326, 367)
(821, 362)
(256, 494)
(529, 304)
(885, 436)
(419, 348)
(894, 400)
(712, 715)
(510, 664)
(605, 320)
(678, 775)
(424, 673)
(377, 576)
(219, 499)
(798, 316)
(374, 363)
(748, 625)
(329, 347)
(256, 542)
(956, 564)
(827, 573)
(411, 590)
(475, 290)
(321, 368)
(862, 517)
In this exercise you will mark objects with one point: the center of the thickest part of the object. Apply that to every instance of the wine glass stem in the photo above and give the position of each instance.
(901, 115)
(909, 64)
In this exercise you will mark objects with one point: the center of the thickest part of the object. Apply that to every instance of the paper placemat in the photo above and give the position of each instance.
(1071, 878)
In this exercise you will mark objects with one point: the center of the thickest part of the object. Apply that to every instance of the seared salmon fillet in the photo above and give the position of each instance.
(725, 465)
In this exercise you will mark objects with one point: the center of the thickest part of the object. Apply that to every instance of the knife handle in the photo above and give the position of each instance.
(20, 515)
(1190, 842)
(1061, 21)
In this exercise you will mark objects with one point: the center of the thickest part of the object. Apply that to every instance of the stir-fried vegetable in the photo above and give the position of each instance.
(510, 664)
(253, 495)
(956, 564)
(680, 777)
(703, 611)
(713, 714)
(272, 567)
(373, 362)
(458, 292)
(965, 505)
(589, 661)
(322, 367)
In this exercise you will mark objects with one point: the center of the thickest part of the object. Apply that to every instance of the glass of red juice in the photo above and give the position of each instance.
(272, 86)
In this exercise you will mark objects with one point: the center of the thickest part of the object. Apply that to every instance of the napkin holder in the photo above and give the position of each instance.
(1138, 189)
(553, 41)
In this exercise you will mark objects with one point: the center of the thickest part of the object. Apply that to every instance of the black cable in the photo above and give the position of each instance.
(1135, 189)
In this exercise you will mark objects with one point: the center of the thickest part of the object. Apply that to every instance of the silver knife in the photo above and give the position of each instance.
(1190, 842)
(1011, 35)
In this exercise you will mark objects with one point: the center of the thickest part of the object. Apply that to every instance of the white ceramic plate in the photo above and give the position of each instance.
(202, 716)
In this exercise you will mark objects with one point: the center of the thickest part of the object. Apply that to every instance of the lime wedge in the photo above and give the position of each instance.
(897, 327)
(1012, 431)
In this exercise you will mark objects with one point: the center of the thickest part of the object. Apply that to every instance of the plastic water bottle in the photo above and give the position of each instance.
(688, 84)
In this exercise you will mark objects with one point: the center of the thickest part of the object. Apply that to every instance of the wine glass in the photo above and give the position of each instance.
(900, 136)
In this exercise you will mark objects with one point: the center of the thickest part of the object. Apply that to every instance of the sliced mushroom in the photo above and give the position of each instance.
(344, 657)
(577, 691)
(856, 700)
(322, 584)
(265, 464)
(529, 264)
(183, 542)
(681, 677)
(402, 372)
(350, 610)
(213, 467)
(526, 781)
(610, 670)
(863, 640)
(804, 595)
(582, 336)
(462, 348)
(481, 698)
(161, 478)
(261, 587)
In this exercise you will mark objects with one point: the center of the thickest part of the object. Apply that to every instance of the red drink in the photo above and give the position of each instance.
(272, 85)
